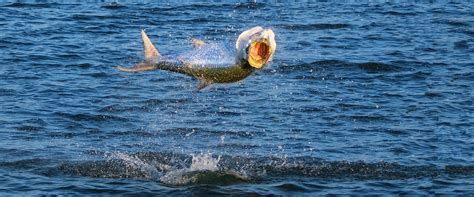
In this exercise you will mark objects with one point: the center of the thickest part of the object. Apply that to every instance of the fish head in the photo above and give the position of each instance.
(256, 46)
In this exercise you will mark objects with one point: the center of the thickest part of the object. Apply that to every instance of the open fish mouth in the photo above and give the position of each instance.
(259, 53)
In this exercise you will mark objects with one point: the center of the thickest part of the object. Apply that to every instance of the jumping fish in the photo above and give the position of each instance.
(254, 49)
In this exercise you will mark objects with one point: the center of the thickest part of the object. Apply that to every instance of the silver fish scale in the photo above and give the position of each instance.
(210, 55)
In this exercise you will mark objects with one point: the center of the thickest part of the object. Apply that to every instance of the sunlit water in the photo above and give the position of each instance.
(360, 99)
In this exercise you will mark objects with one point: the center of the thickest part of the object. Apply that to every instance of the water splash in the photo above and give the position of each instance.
(204, 169)
(204, 162)
(134, 163)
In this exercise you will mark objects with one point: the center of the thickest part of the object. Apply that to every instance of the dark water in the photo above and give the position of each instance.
(360, 99)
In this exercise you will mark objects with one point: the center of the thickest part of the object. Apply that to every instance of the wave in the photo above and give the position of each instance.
(30, 5)
(454, 23)
(314, 26)
(469, 32)
(91, 17)
(205, 6)
(6, 91)
(250, 5)
(91, 117)
(463, 44)
(113, 6)
(180, 169)
(396, 13)
(29, 128)
(194, 20)
(370, 67)
(413, 69)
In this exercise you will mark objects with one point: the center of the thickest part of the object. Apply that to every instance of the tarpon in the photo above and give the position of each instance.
(254, 49)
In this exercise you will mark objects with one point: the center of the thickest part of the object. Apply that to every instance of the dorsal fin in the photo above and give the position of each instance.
(149, 50)
(197, 43)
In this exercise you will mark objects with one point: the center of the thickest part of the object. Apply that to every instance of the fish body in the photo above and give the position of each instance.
(213, 63)
(206, 74)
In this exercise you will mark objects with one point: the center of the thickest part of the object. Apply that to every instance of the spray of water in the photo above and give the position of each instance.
(135, 163)
(200, 162)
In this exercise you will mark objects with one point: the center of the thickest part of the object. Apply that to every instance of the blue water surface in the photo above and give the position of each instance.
(361, 98)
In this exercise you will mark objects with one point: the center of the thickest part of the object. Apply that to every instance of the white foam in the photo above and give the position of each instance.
(204, 162)
(200, 162)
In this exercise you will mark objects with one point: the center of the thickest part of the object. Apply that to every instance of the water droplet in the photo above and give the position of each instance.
(222, 139)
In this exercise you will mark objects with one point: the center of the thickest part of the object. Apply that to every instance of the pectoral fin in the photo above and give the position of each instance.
(149, 50)
(202, 84)
(197, 43)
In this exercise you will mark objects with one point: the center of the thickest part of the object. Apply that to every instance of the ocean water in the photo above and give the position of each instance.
(361, 98)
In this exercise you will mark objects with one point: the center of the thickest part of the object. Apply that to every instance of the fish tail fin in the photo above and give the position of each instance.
(150, 53)
(149, 50)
